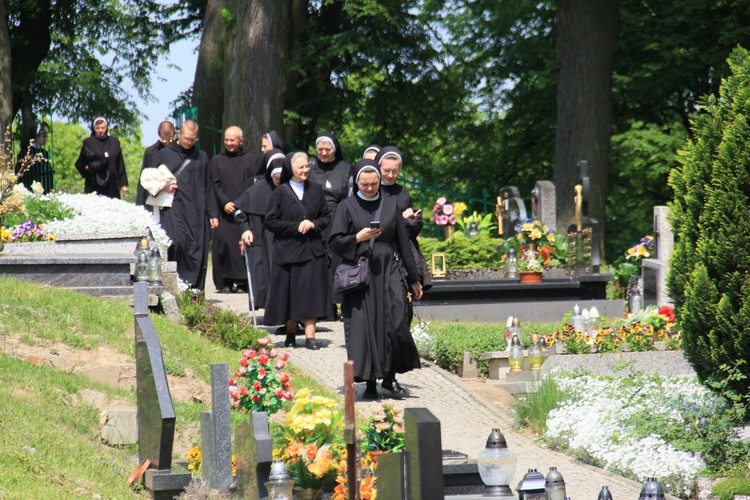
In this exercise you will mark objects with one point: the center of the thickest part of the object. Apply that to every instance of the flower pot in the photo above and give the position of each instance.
(531, 277)
(449, 231)
(308, 494)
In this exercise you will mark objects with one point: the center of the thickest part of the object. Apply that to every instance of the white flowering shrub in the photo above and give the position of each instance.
(424, 340)
(100, 214)
(615, 422)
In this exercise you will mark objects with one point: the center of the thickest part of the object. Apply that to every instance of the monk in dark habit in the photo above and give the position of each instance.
(193, 209)
(231, 171)
(151, 155)
(100, 162)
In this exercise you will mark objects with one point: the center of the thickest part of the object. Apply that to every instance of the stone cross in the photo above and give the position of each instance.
(216, 432)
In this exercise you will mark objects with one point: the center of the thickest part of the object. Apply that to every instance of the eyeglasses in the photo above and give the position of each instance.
(189, 140)
(390, 171)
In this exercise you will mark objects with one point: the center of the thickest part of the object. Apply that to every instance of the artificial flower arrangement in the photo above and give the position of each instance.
(11, 192)
(642, 249)
(25, 232)
(530, 261)
(383, 433)
(444, 213)
(195, 462)
(531, 234)
(310, 441)
(638, 333)
(265, 386)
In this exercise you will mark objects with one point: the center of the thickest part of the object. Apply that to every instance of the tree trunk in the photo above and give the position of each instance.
(208, 87)
(6, 95)
(298, 24)
(586, 36)
(256, 77)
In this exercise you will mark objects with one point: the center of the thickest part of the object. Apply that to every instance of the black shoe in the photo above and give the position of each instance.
(397, 392)
(311, 344)
(371, 391)
(290, 340)
(225, 289)
(235, 288)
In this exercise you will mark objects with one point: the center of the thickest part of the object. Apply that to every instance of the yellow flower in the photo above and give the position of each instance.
(459, 208)
(5, 234)
(535, 234)
(551, 238)
(527, 226)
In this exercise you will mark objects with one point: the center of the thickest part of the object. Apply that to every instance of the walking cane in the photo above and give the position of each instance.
(250, 287)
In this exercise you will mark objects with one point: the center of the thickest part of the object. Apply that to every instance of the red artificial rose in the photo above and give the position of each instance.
(257, 386)
(244, 391)
(232, 381)
(284, 356)
(261, 372)
(244, 362)
(263, 359)
(263, 342)
(284, 378)
(241, 371)
(289, 395)
(252, 354)
(274, 353)
(280, 365)
(255, 398)
(280, 393)
(246, 353)
(668, 312)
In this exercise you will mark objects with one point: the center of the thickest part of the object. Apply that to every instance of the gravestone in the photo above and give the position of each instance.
(583, 236)
(654, 271)
(543, 200)
(254, 452)
(510, 208)
(156, 417)
(423, 446)
(216, 432)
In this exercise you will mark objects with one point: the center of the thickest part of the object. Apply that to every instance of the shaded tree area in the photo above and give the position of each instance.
(79, 59)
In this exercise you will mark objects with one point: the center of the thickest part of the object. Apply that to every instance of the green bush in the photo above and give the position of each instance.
(452, 339)
(533, 408)
(462, 252)
(711, 260)
(730, 487)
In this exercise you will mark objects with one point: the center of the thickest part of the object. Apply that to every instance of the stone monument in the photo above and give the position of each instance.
(543, 203)
(216, 432)
(156, 417)
(254, 452)
(654, 271)
(510, 208)
(583, 236)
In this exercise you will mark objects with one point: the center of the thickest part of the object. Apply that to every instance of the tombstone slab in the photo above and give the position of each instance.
(423, 446)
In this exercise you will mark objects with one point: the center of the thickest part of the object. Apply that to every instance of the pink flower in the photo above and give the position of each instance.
(280, 364)
(442, 220)
(262, 352)
(263, 342)
(274, 353)
(241, 371)
(452, 220)
(447, 209)
(246, 353)
(234, 391)
(252, 354)
(441, 200)
(244, 362)
(284, 356)
(244, 391)
(280, 393)
(284, 378)
(263, 359)
(289, 395)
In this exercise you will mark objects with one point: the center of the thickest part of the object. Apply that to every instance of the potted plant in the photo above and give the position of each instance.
(310, 443)
(530, 267)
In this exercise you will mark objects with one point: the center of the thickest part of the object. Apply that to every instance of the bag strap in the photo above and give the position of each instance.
(181, 167)
(299, 202)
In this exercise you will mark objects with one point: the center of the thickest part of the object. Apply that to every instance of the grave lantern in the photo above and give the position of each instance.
(536, 357)
(511, 264)
(496, 465)
(472, 230)
(652, 490)
(554, 485)
(605, 494)
(141, 247)
(531, 486)
(141, 267)
(279, 486)
(515, 360)
(154, 267)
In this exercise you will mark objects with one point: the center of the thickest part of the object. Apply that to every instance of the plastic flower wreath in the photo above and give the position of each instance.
(444, 213)
(310, 442)
(266, 386)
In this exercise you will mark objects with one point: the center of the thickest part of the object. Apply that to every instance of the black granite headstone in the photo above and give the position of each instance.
(391, 476)
(423, 446)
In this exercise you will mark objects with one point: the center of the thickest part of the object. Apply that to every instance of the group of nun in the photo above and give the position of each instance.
(303, 217)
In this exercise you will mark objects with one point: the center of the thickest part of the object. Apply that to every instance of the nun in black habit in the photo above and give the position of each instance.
(230, 170)
(272, 140)
(297, 215)
(389, 162)
(252, 206)
(376, 318)
(336, 176)
(100, 162)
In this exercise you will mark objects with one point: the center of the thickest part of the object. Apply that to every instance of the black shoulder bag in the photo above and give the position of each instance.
(354, 275)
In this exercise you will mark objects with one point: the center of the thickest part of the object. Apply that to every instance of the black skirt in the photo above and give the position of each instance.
(297, 292)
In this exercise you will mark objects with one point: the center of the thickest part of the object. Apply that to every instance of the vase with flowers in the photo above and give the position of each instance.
(259, 384)
(530, 266)
(444, 213)
(310, 441)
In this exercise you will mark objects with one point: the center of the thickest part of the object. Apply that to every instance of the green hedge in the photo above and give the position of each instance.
(462, 252)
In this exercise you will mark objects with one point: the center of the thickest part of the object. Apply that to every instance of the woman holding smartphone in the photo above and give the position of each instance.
(376, 318)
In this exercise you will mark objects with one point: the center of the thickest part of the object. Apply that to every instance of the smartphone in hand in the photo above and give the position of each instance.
(375, 224)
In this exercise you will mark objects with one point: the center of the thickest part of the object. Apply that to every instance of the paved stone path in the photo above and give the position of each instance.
(466, 416)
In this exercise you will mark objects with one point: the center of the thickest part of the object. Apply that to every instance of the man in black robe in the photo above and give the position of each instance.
(151, 155)
(193, 208)
(100, 162)
(231, 170)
